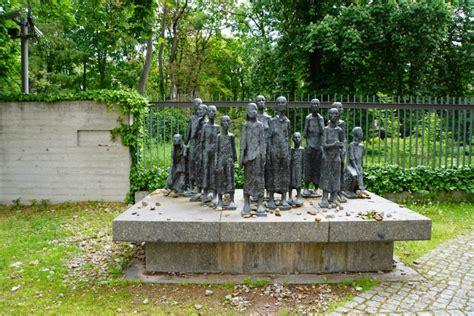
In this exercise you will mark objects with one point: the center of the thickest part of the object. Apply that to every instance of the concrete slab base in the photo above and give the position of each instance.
(399, 273)
(280, 258)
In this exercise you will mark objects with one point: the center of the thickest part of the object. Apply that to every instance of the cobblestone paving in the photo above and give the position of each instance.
(448, 287)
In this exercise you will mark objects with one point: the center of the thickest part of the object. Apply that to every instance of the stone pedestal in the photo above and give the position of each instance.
(181, 236)
(274, 258)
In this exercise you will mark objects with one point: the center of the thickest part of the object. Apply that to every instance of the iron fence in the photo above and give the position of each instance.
(406, 131)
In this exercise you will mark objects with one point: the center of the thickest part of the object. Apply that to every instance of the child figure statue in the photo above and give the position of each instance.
(353, 173)
(280, 155)
(209, 140)
(313, 132)
(296, 170)
(252, 160)
(331, 164)
(178, 177)
(226, 156)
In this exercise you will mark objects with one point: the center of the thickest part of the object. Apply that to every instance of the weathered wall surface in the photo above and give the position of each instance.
(62, 152)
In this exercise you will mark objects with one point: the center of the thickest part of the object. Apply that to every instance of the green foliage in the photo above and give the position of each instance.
(391, 179)
(379, 179)
(144, 179)
(255, 283)
(365, 282)
(397, 47)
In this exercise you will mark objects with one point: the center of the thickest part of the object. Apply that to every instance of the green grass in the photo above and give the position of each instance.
(364, 282)
(38, 243)
(449, 219)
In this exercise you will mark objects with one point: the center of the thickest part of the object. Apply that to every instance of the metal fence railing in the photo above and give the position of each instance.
(430, 131)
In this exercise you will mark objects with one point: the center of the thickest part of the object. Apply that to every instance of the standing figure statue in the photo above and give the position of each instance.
(178, 174)
(313, 132)
(265, 119)
(341, 124)
(331, 166)
(195, 164)
(280, 155)
(226, 156)
(354, 173)
(252, 160)
(296, 170)
(191, 130)
(209, 141)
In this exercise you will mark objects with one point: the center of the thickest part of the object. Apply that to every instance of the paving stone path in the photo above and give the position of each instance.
(447, 288)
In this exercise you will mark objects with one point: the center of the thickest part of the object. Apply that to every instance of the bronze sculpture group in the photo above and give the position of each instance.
(202, 164)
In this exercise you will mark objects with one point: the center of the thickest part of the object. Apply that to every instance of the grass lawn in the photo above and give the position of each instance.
(59, 259)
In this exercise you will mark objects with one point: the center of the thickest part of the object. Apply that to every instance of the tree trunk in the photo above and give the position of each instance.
(84, 75)
(146, 67)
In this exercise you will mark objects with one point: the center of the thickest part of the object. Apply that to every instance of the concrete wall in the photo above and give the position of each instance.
(62, 152)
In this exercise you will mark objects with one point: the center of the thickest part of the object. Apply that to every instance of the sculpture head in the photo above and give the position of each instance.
(202, 110)
(211, 111)
(297, 139)
(251, 111)
(282, 104)
(196, 103)
(333, 115)
(260, 100)
(339, 107)
(315, 106)
(177, 139)
(225, 123)
(358, 134)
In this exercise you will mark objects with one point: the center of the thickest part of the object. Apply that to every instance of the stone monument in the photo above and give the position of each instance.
(331, 162)
(252, 160)
(226, 156)
(313, 132)
(209, 140)
(196, 239)
(279, 156)
(296, 170)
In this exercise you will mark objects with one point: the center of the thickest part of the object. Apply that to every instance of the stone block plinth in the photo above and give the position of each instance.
(182, 236)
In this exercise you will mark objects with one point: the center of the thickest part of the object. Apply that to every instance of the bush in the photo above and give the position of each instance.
(392, 179)
(379, 179)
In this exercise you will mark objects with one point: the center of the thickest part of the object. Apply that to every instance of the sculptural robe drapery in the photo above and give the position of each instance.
(194, 136)
(280, 153)
(209, 141)
(265, 119)
(331, 164)
(178, 170)
(225, 157)
(313, 132)
(353, 177)
(296, 167)
(252, 155)
(342, 125)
